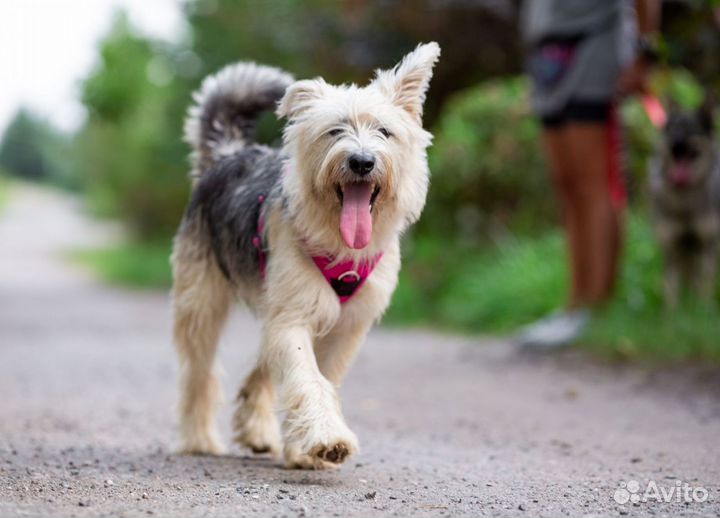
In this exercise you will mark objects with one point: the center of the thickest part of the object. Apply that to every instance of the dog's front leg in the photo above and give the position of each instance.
(315, 433)
(336, 350)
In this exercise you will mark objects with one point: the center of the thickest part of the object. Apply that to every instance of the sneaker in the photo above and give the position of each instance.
(557, 330)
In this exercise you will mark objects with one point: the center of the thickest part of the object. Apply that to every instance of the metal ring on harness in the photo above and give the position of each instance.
(351, 272)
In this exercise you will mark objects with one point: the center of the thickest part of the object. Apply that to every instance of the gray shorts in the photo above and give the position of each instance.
(576, 77)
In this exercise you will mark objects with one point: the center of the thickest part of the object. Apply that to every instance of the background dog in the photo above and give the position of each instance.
(685, 199)
(270, 226)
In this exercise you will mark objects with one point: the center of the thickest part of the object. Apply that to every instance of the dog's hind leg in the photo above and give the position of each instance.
(202, 297)
(704, 273)
(671, 279)
(255, 422)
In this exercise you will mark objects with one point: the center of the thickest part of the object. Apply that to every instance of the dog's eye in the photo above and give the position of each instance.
(385, 132)
(334, 132)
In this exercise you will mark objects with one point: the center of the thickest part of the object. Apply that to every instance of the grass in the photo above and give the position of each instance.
(4, 190)
(136, 265)
(502, 287)
(498, 288)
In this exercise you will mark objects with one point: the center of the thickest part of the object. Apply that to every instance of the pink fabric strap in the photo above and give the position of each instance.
(345, 278)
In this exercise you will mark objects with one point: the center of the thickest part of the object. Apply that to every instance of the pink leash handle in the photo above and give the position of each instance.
(654, 110)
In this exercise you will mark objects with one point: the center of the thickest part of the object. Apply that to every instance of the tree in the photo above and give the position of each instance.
(130, 152)
(27, 147)
(347, 40)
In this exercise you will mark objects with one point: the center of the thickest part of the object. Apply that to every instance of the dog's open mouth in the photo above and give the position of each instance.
(681, 173)
(356, 199)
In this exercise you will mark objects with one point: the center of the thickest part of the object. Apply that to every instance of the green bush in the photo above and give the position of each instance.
(485, 258)
(487, 166)
(137, 265)
(130, 154)
(497, 288)
(488, 170)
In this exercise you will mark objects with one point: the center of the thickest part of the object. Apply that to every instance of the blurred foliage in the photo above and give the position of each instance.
(487, 165)
(4, 189)
(471, 263)
(691, 32)
(130, 159)
(138, 265)
(496, 288)
(130, 155)
(32, 149)
(133, 163)
(346, 40)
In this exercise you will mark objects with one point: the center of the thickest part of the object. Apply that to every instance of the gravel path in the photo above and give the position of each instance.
(447, 425)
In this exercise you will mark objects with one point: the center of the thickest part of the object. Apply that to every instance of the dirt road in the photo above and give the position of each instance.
(447, 425)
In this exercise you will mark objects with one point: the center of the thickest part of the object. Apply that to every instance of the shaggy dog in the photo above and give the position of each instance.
(306, 235)
(685, 199)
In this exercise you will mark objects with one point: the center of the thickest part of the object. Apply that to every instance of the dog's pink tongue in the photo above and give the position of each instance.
(355, 218)
(681, 173)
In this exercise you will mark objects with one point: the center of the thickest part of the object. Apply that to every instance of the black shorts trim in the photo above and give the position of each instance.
(579, 111)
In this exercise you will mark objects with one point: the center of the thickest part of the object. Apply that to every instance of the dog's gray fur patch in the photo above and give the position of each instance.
(226, 200)
(233, 172)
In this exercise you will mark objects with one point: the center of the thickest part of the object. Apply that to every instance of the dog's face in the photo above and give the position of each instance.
(687, 147)
(358, 154)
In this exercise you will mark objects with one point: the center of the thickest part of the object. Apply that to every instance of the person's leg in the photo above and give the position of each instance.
(580, 141)
(597, 227)
(563, 327)
(561, 167)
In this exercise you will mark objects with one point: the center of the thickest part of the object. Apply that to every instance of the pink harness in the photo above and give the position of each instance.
(345, 278)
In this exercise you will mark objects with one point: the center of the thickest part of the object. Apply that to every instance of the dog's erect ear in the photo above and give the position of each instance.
(299, 96)
(407, 83)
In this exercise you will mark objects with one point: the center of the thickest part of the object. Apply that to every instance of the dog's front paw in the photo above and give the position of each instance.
(320, 446)
(320, 457)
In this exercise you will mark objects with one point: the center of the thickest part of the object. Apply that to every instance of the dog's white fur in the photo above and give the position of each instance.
(309, 338)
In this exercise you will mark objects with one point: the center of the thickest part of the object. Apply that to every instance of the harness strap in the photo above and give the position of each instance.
(257, 239)
(345, 278)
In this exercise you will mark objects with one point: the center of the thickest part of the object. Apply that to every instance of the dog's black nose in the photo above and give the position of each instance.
(683, 150)
(361, 164)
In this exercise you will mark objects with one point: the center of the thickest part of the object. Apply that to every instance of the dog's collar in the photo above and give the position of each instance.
(345, 278)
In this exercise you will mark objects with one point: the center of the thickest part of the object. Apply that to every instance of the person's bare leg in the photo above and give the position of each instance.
(584, 197)
(598, 237)
(562, 172)
(579, 161)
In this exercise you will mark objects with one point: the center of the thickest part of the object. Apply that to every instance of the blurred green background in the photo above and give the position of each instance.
(486, 257)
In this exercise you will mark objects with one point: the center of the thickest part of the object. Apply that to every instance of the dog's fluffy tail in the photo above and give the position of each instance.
(227, 105)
